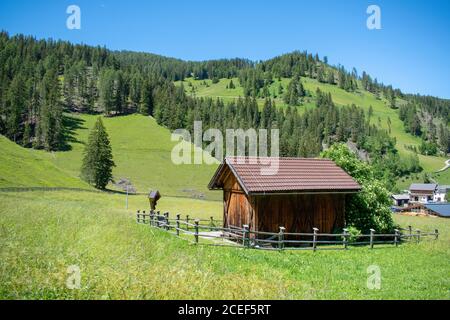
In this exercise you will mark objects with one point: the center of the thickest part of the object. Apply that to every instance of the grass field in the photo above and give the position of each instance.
(21, 167)
(340, 97)
(119, 259)
(141, 150)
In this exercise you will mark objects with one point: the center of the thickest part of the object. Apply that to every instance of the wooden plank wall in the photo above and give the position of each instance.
(301, 212)
(296, 212)
(237, 209)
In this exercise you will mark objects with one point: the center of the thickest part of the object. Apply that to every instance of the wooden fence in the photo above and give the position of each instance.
(211, 232)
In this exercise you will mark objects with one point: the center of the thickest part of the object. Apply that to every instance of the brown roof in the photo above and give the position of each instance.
(297, 175)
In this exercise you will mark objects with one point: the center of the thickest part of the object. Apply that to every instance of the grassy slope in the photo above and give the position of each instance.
(219, 90)
(142, 153)
(340, 97)
(21, 167)
(120, 259)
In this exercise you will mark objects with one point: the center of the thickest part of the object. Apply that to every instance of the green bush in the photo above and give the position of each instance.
(353, 234)
(370, 208)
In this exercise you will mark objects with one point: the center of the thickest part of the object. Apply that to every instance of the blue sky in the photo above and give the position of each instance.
(411, 51)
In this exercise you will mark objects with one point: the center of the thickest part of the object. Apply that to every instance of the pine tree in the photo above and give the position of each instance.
(320, 74)
(280, 89)
(370, 113)
(106, 91)
(50, 128)
(330, 77)
(294, 92)
(26, 135)
(444, 138)
(98, 160)
(301, 89)
(146, 102)
(341, 79)
(389, 123)
(15, 102)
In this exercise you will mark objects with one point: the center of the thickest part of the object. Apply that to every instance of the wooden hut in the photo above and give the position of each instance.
(300, 195)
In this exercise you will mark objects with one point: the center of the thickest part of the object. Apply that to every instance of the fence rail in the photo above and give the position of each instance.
(194, 230)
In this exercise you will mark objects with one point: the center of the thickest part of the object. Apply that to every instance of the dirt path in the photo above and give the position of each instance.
(447, 165)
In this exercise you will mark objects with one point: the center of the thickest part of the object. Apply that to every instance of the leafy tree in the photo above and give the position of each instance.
(428, 148)
(426, 178)
(370, 208)
(98, 160)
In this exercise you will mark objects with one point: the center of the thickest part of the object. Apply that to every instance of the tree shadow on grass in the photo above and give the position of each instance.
(70, 125)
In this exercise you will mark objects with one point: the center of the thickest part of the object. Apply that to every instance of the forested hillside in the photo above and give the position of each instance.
(42, 80)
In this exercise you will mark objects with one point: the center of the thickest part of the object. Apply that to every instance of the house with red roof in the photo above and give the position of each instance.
(300, 195)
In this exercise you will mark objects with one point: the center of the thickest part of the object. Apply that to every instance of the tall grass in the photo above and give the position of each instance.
(120, 259)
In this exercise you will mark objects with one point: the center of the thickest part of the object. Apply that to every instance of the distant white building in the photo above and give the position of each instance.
(441, 194)
(427, 193)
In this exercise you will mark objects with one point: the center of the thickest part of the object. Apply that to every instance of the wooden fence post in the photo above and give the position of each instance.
(418, 235)
(166, 221)
(315, 239)
(372, 231)
(410, 233)
(436, 234)
(345, 238)
(152, 218)
(178, 224)
(196, 230)
(396, 237)
(158, 214)
(138, 215)
(143, 216)
(212, 224)
(245, 235)
(281, 238)
(187, 222)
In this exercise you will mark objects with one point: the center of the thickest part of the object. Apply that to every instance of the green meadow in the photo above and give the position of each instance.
(120, 259)
(21, 167)
(141, 150)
